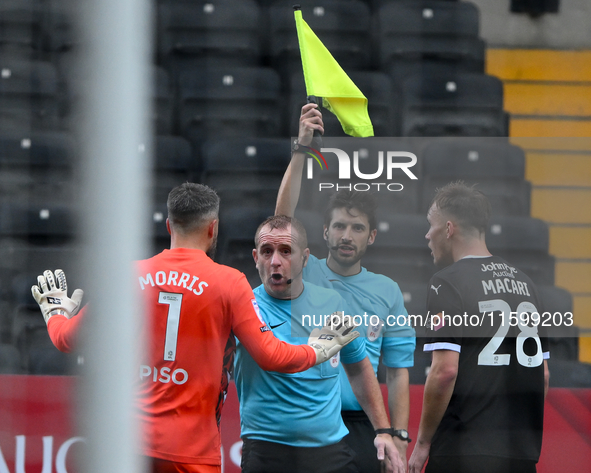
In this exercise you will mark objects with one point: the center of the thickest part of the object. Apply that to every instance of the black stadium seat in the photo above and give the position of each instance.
(38, 355)
(37, 165)
(400, 249)
(343, 27)
(208, 32)
(556, 309)
(487, 158)
(428, 37)
(462, 104)
(29, 95)
(236, 239)
(229, 101)
(494, 165)
(508, 197)
(163, 102)
(245, 171)
(39, 223)
(523, 242)
(21, 28)
(174, 163)
(10, 359)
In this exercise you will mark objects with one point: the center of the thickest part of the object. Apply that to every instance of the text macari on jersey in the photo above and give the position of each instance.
(172, 278)
(503, 281)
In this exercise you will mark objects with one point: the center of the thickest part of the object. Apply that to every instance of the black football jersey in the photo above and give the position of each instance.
(489, 312)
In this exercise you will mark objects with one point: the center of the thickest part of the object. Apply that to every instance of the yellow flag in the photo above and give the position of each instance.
(325, 78)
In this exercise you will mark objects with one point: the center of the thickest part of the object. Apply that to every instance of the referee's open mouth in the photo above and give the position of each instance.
(276, 278)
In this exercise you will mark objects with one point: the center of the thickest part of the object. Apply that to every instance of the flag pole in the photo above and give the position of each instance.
(317, 137)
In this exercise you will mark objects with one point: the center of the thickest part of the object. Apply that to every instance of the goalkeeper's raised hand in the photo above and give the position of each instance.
(53, 298)
(337, 333)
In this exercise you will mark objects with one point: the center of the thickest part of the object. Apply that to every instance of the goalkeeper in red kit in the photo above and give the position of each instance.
(194, 309)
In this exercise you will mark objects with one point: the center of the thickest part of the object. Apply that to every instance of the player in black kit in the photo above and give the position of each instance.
(483, 407)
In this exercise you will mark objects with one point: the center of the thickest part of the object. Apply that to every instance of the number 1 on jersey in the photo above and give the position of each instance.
(172, 322)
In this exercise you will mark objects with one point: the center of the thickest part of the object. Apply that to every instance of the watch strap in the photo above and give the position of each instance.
(402, 434)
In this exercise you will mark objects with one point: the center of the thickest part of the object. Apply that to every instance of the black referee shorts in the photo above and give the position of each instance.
(259, 456)
(360, 440)
(479, 464)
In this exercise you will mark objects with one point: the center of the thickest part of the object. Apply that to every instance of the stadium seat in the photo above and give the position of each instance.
(518, 234)
(29, 95)
(569, 374)
(39, 223)
(313, 221)
(10, 359)
(75, 84)
(229, 101)
(494, 165)
(174, 163)
(428, 37)
(400, 249)
(207, 32)
(563, 339)
(163, 98)
(160, 235)
(37, 353)
(415, 299)
(488, 158)
(245, 171)
(236, 238)
(343, 27)
(21, 28)
(32, 261)
(376, 86)
(463, 104)
(37, 165)
(508, 197)
(58, 27)
(523, 242)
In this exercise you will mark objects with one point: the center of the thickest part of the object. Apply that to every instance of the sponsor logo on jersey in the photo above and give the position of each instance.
(278, 325)
(436, 289)
(499, 270)
(264, 329)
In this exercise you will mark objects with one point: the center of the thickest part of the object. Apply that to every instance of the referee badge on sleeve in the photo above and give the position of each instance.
(334, 361)
(257, 311)
(374, 330)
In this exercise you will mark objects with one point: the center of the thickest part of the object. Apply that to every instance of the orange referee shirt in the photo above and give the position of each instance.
(194, 307)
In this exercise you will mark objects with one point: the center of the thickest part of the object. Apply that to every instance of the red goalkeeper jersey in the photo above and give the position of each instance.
(193, 309)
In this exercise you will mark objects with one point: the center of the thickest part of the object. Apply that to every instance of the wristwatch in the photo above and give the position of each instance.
(400, 433)
(295, 147)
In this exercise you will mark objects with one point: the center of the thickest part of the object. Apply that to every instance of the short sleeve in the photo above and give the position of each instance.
(270, 353)
(354, 351)
(442, 300)
(399, 340)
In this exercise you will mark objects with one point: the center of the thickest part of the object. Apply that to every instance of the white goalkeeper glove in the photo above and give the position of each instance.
(332, 337)
(53, 299)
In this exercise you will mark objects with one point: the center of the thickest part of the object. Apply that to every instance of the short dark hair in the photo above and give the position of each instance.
(192, 205)
(365, 202)
(281, 222)
(467, 204)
